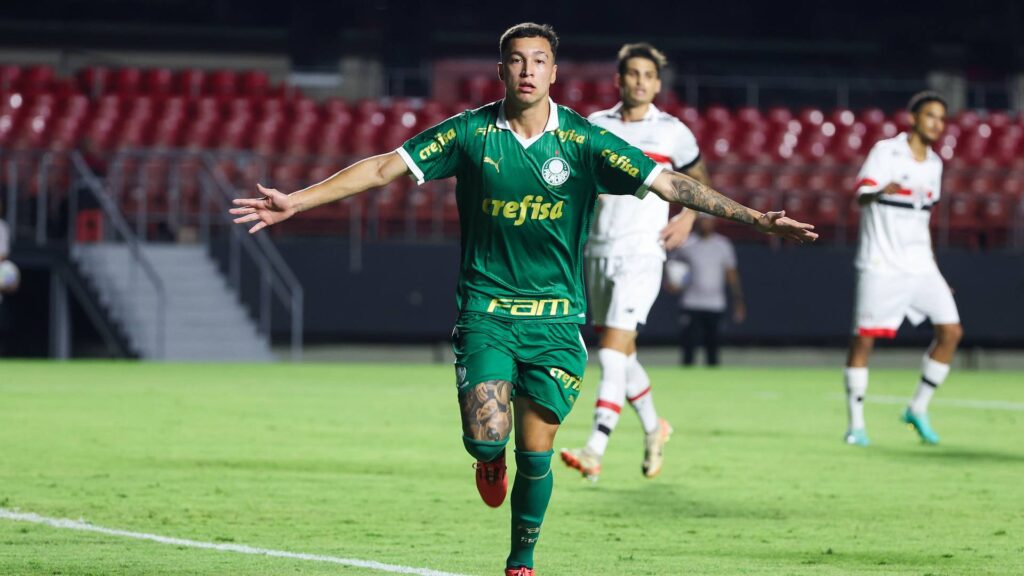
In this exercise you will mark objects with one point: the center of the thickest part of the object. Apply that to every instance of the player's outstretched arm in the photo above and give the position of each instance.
(865, 198)
(681, 189)
(274, 206)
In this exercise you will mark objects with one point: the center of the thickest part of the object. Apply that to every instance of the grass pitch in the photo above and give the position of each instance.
(365, 461)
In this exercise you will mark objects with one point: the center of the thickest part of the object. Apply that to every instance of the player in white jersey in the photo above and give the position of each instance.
(625, 257)
(897, 276)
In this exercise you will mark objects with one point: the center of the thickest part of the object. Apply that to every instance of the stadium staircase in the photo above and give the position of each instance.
(205, 320)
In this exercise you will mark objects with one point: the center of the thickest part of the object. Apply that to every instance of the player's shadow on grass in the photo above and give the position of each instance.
(738, 433)
(953, 454)
(673, 503)
(296, 466)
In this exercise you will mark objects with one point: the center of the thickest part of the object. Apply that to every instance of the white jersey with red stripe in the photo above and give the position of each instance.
(629, 226)
(894, 232)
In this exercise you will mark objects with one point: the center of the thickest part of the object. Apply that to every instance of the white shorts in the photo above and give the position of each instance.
(622, 289)
(885, 298)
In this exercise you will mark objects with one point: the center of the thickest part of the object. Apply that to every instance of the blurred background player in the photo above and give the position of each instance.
(625, 256)
(897, 276)
(8, 274)
(710, 267)
(517, 341)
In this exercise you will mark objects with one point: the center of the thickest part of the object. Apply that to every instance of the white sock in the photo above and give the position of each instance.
(611, 393)
(856, 387)
(638, 392)
(933, 374)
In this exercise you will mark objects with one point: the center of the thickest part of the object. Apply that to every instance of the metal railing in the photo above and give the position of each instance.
(45, 203)
(114, 217)
(275, 276)
(131, 180)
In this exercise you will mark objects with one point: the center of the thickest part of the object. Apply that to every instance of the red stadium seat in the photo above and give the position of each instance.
(253, 83)
(481, 89)
(290, 174)
(842, 117)
(9, 75)
(964, 223)
(126, 81)
(92, 80)
(157, 81)
(749, 115)
(387, 208)
(901, 119)
(333, 140)
(827, 217)
(811, 117)
(337, 111)
(872, 116)
(996, 214)
(779, 116)
(574, 92)
(798, 205)
(189, 82)
(221, 83)
(370, 112)
(967, 119)
(35, 79)
(1012, 184)
(718, 117)
(605, 94)
(366, 139)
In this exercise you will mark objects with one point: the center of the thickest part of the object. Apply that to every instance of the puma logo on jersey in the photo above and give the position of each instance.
(497, 165)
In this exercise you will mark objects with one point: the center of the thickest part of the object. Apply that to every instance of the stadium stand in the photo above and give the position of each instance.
(802, 160)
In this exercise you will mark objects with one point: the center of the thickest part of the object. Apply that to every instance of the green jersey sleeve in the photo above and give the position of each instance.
(434, 153)
(618, 167)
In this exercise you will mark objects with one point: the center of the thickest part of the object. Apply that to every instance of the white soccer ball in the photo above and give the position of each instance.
(9, 275)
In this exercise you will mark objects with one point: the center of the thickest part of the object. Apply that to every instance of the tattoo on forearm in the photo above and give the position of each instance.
(693, 194)
(485, 411)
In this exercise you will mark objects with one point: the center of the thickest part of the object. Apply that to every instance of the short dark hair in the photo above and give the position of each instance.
(528, 30)
(923, 97)
(642, 50)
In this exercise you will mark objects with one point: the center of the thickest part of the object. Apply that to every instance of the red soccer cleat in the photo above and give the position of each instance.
(492, 482)
(519, 571)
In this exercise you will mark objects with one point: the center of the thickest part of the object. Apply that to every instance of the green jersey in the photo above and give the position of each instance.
(525, 206)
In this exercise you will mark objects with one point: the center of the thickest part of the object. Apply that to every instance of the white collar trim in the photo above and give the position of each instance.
(502, 123)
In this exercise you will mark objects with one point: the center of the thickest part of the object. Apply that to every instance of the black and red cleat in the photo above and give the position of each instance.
(519, 571)
(492, 482)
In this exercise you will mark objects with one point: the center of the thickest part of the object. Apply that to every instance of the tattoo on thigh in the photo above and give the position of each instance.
(485, 411)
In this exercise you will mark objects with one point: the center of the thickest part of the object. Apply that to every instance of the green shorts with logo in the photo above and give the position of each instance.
(543, 361)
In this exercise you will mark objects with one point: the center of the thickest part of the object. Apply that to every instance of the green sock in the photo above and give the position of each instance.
(530, 495)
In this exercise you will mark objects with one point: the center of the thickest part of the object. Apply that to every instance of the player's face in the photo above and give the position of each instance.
(639, 82)
(528, 71)
(930, 121)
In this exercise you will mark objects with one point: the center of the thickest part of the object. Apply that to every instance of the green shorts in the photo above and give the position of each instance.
(544, 361)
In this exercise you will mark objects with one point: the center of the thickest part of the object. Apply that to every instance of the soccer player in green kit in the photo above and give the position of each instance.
(528, 175)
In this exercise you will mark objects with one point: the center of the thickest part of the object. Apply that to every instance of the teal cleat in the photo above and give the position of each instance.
(857, 437)
(921, 424)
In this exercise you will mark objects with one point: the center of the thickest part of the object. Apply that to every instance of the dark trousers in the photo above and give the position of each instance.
(700, 328)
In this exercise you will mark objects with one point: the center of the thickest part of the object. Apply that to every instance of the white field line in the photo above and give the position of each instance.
(953, 402)
(67, 524)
